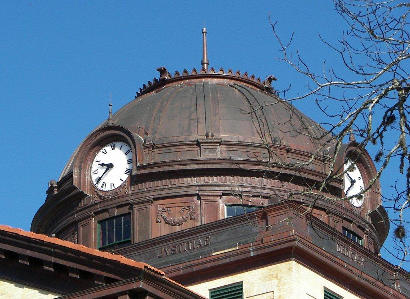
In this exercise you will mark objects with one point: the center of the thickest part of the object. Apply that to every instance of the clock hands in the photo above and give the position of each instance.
(352, 182)
(107, 168)
(111, 166)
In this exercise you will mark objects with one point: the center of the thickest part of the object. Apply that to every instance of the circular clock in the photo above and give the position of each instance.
(353, 183)
(111, 166)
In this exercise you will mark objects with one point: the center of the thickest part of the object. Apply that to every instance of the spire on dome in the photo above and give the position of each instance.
(204, 61)
(109, 111)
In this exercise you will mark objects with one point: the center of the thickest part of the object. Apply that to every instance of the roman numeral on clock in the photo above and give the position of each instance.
(127, 171)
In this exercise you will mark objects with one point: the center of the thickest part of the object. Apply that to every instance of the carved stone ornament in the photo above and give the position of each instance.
(185, 214)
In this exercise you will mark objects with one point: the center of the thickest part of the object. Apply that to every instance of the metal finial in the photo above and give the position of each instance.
(109, 111)
(204, 61)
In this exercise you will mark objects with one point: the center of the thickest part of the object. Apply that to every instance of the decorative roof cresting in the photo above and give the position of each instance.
(166, 77)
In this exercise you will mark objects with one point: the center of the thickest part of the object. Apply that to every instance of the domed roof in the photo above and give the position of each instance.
(224, 106)
(202, 141)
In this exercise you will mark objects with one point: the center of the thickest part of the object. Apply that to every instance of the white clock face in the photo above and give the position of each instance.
(353, 182)
(111, 166)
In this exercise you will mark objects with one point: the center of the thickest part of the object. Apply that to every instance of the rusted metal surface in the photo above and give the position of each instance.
(225, 108)
(201, 141)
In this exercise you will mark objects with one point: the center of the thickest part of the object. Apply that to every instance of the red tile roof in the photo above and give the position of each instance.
(79, 248)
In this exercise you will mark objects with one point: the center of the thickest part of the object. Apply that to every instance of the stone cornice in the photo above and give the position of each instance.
(277, 233)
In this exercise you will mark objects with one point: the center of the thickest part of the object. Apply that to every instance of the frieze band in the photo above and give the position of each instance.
(348, 252)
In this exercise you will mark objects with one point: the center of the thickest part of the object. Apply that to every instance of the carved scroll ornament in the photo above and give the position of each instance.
(185, 214)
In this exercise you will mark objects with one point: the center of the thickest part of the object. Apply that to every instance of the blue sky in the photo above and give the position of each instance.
(62, 61)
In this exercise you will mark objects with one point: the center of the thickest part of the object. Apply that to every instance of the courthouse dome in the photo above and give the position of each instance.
(203, 141)
(224, 106)
(197, 147)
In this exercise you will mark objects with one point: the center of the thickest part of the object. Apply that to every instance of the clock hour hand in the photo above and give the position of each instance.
(108, 167)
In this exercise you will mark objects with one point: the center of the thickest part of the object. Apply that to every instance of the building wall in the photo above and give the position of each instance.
(281, 281)
(9, 289)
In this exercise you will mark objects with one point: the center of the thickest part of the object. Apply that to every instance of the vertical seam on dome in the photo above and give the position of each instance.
(196, 111)
(206, 120)
(216, 116)
(262, 126)
(200, 107)
(161, 106)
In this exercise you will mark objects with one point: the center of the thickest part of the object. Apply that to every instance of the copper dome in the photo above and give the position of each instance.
(204, 141)
(226, 107)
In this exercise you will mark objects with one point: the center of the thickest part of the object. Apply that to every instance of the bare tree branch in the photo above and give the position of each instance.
(369, 96)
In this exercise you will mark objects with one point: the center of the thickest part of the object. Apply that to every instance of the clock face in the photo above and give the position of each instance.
(353, 182)
(111, 166)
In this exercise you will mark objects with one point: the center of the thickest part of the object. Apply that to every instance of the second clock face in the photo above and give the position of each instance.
(353, 182)
(111, 166)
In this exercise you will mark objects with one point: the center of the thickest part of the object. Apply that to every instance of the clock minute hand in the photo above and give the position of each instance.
(108, 167)
(352, 182)
(348, 175)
